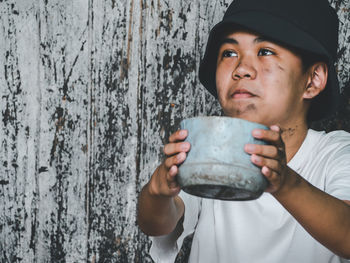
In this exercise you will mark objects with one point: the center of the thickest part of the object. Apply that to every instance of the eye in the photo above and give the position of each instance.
(265, 52)
(229, 53)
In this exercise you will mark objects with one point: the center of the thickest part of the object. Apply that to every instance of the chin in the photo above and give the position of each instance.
(253, 119)
(248, 116)
(243, 109)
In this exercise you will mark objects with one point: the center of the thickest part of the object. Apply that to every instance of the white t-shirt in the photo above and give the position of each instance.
(262, 230)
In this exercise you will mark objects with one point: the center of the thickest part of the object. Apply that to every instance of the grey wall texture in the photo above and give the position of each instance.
(90, 90)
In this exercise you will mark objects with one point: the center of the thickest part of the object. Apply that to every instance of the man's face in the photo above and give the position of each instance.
(259, 80)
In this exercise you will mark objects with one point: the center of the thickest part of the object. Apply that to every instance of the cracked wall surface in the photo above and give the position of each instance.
(89, 93)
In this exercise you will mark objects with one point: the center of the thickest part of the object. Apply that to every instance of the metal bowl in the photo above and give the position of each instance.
(217, 165)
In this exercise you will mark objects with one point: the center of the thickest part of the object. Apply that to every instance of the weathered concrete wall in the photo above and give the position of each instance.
(89, 92)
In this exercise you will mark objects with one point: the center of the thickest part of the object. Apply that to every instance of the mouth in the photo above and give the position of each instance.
(242, 94)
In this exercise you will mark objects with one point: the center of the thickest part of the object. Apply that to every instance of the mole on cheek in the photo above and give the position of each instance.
(266, 70)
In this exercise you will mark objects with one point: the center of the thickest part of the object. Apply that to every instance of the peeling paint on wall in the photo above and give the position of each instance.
(89, 93)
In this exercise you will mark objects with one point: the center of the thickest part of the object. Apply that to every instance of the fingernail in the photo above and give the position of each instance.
(183, 132)
(181, 156)
(185, 146)
(275, 128)
(265, 170)
(249, 148)
(256, 159)
(257, 133)
(172, 170)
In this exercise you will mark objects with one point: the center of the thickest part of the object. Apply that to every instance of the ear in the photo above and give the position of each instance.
(317, 80)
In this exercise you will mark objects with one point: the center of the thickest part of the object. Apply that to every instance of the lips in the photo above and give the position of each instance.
(242, 94)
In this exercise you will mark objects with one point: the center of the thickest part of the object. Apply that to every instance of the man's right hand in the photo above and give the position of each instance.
(159, 207)
(163, 181)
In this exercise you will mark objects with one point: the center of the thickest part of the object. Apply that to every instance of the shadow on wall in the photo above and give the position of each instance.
(341, 120)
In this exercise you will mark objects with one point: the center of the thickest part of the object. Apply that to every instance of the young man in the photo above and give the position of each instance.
(271, 62)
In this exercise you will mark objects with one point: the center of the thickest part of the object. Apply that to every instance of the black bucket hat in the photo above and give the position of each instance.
(308, 25)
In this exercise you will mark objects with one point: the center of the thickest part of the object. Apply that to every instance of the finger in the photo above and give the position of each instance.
(172, 172)
(171, 177)
(276, 128)
(272, 164)
(273, 178)
(278, 142)
(175, 190)
(178, 136)
(272, 136)
(175, 160)
(173, 184)
(174, 148)
(270, 174)
(269, 151)
(266, 171)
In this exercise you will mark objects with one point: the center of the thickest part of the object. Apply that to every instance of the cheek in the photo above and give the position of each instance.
(281, 85)
(222, 79)
(274, 76)
(274, 69)
(266, 70)
(271, 79)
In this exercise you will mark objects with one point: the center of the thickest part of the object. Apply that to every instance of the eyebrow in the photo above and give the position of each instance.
(234, 41)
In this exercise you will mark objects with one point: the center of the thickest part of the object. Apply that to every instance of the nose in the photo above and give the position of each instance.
(244, 70)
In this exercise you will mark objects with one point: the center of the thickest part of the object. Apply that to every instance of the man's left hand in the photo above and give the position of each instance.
(271, 158)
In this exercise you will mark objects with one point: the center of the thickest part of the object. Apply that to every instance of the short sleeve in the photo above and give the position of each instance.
(338, 172)
(164, 249)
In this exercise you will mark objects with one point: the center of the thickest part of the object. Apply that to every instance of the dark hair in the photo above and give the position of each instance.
(308, 58)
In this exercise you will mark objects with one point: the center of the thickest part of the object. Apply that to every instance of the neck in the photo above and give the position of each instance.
(293, 136)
